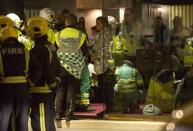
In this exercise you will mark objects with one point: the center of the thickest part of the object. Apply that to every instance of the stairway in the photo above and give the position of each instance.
(109, 125)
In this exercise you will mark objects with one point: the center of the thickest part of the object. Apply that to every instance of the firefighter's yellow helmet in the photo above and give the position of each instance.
(37, 27)
(8, 32)
(5, 21)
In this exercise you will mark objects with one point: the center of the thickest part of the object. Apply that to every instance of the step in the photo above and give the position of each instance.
(111, 125)
(137, 117)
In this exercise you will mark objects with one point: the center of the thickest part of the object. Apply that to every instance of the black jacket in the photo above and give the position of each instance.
(45, 53)
(14, 62)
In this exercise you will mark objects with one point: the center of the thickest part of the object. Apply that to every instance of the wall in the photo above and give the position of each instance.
(15, 6)
(90, 18)
(185, 11)
(59, 5)
(32, 7)
(149, 12)
(168, 12)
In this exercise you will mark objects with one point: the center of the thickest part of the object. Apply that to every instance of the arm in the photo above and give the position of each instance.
(85, 51)
(50, 67)
(139, 79)
(35, 70)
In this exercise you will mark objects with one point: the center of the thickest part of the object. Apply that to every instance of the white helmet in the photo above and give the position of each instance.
(111, 20)
(15, 18)
(151, 109)
(47, 14)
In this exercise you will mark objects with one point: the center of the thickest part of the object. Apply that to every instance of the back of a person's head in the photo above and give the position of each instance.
(103, 20)
(65, 12)
(71, 20)
(164, 75)
(129, 63)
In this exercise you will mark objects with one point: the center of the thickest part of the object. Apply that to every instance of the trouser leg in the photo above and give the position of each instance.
(6, 107)
(108, 83)
(85, 87)
(73, 87)
(61, 96)
(22, 109)
(130, 101)
(100, 91)
(42, 112)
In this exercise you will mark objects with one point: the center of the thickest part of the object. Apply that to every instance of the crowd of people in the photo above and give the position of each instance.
(44, 67)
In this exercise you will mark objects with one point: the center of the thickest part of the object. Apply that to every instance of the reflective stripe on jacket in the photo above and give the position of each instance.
(69, 41)
(11, 72)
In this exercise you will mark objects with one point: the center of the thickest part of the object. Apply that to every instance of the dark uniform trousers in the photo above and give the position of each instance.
(66, 95)
(14, 101)
(106, 82)
(73, 88)
(42, 112)
(42, 100)
(61, 96)
(15, 63)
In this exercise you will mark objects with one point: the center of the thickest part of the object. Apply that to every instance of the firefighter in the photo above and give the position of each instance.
(43, 92)
(21, 38)
(49, 15)
(129, 81)
(15, 65)
(71, 52)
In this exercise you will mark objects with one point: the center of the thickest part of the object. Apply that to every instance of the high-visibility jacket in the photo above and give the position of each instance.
(128, 79)
(16, 63)
(26, 41)
(47, 59)
(70, 41)
(51, 35)
(161, 94)
(118, 48)
(118, 45)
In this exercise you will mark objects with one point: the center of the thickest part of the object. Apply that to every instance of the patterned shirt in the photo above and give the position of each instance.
(101, 47)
